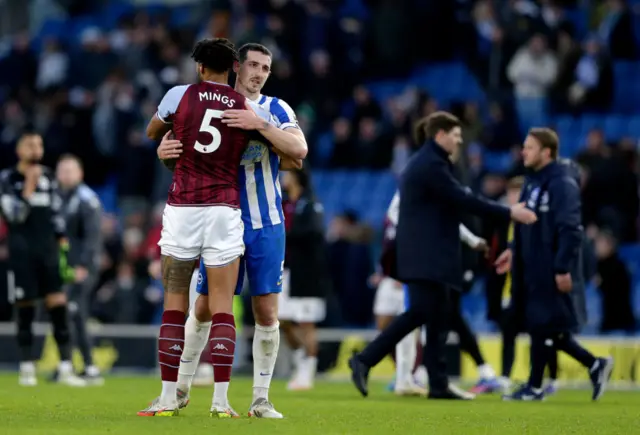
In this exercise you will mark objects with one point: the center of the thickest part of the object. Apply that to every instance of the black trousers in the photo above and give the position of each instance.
(430, 305)
(458, 324)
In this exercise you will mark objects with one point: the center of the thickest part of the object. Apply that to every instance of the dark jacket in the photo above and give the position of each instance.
(553, 245)
(432, 202)
(82, 213)
(306, 250)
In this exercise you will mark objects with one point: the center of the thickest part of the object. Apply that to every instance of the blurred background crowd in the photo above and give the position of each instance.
(88, 75)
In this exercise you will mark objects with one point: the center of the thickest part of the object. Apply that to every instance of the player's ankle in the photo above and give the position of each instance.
(92, 371)
(260, 393)
(65, 367)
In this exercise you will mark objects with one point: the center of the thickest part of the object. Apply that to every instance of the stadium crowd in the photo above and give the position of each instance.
(90, 93)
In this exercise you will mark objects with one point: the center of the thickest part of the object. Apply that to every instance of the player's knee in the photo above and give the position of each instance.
(201, 309)
(24, 318)
(265, 309)
(57, 299)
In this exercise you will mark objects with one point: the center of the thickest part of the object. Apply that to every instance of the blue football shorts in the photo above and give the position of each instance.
(263, 260)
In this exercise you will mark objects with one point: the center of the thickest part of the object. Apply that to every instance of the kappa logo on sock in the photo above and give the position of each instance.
(220, 346)
(176, 347)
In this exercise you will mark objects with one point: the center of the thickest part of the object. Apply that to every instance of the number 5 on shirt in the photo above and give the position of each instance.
(216, 137)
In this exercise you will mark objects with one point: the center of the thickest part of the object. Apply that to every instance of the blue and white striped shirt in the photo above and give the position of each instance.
(260, 195)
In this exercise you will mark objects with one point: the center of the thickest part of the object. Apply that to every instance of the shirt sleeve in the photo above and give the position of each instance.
(14, 209)
(443, 185)
(284, 114)
(59, 224)
(91, 216)
(393, 213)
(169, 104)
(468, 237)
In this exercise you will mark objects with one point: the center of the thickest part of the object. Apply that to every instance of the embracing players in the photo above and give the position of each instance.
(264, 234)
(202, 218)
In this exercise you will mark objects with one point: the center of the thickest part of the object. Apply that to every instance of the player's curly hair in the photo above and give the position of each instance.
(217, 54)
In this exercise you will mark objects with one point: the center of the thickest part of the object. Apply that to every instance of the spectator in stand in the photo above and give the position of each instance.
(532, 70)
(616, 30)
(614, 282)
(585, 79)
(611, 191)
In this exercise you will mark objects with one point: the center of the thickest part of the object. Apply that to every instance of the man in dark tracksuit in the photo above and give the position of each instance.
(302, 303)
(547, 265)
(428, 252)
(30, 204)
(83, 213)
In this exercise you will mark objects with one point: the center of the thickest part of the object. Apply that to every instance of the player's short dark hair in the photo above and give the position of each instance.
(547, 138)
(217, 54)
(428, 127)
(252, 46)
(73, 157)
(26, 134)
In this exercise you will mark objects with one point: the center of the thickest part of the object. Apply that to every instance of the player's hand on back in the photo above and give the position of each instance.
(244, 119)
(169, 148)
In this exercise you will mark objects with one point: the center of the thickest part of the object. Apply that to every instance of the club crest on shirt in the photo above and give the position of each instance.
(533, 198)
(254, 153)
(532, 202)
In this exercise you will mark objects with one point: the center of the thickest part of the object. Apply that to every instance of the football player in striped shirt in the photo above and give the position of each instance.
(264, 234)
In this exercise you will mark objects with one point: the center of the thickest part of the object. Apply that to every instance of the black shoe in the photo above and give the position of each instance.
(53, 377)
(451, 393)
(524, 394)
(600, 375)
(359, 374)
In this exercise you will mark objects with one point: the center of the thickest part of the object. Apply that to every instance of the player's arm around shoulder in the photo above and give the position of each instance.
(287, 163)
(162, 120)
(169, 151)
(287, 135)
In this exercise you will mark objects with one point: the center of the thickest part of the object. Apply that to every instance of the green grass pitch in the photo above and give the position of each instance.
(332, 408)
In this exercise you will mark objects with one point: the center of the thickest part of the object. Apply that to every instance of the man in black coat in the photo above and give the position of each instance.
(428, 251)
(546, 265)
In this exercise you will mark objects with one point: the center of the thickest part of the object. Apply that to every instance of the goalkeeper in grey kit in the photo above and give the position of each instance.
(82, 212)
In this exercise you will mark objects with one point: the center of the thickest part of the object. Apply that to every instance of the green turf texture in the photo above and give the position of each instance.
(331, 408)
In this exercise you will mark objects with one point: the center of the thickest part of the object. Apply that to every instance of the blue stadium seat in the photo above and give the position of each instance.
(181, 16)
(594, 313)
(113, 12)
(626, 90)
(382, 91)
(633, 127)
(580, 21)
(53, 28)
(497, 161)
(323, 149)
(590, 122)
(615, 127)
(354, 9)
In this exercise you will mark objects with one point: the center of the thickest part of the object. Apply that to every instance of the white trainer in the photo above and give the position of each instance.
(262, 408)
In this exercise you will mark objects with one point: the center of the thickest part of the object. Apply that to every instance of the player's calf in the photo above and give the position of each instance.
(222, 284)
(25, 316)
(176, 277)
(197, 331)
(56, 304)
